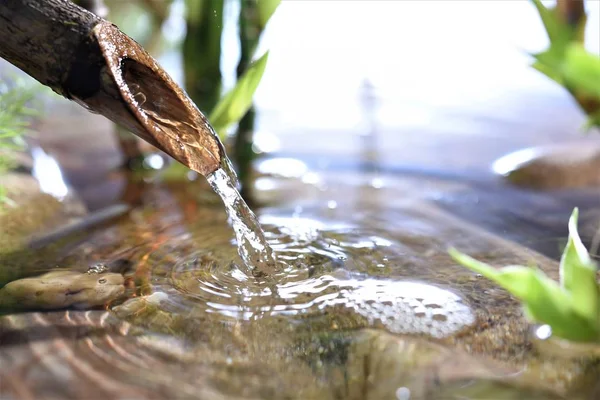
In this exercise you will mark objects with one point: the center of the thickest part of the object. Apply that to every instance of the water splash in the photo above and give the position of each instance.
(253, 247)
(326, 274)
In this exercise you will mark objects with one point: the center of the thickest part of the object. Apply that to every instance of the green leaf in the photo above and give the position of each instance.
(543, 299)
(559, 32)
(561, 35)
(548, 64)
(578, 275)
(517, 280)
(232, 107)
(581, 70)
(554, 28)
(266, 8)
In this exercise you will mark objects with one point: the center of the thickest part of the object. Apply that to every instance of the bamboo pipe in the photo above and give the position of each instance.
(90, 61)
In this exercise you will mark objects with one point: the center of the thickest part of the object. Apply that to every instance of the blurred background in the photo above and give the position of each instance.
(422, 74)
(442, 87)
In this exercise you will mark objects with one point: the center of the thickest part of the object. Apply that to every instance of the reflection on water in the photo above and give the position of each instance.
(511, 162)
(48, 174)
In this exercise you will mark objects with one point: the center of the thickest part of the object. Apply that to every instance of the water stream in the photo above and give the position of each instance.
(253, 247)
(164, 110)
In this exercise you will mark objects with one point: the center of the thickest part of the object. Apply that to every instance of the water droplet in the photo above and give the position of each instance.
(403, 393)
(377, 183)
(544, 332)
(140, 98)
(97, 268)
(154, 161)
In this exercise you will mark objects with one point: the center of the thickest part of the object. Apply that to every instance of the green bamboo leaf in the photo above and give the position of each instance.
(578, 275)
(516, 279)
(551, 23)
(548, 64)
(232, 107)
(581, 70)
(543, 299)
(560, 33)
(266, 8)
(194, 9)
(561, 36)
(568, 326)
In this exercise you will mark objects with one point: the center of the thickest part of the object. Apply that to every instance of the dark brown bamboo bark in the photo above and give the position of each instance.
(43, 38)
(90, 61)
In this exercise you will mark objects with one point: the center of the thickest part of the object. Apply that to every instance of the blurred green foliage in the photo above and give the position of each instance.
(16, 96)
(571, 307)
(235, 103)
(254, 15)
(143, 21)
(202, 65)
(202, 52)
(567, 62)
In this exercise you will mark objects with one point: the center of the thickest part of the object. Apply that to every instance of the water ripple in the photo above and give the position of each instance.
(322, 269)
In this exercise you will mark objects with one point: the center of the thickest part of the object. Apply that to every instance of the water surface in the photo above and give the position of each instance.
(366, 303)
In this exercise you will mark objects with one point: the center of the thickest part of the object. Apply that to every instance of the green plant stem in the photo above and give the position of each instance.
(571, 12)
(202, 52)
(250, 31)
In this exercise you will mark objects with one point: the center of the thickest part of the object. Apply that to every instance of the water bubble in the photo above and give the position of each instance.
(403, 393)
(97, 268)
(140, 98)
(377, 183)
(137, 94)
(154, 161)
(544, 332)
(192, 175)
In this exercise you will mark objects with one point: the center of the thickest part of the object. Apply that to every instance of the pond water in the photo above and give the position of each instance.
(366, 304)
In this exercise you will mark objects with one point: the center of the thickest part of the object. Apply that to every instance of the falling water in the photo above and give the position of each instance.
(164, 109)
(253, 248)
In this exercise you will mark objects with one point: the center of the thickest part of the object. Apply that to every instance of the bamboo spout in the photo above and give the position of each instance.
(89, 60)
